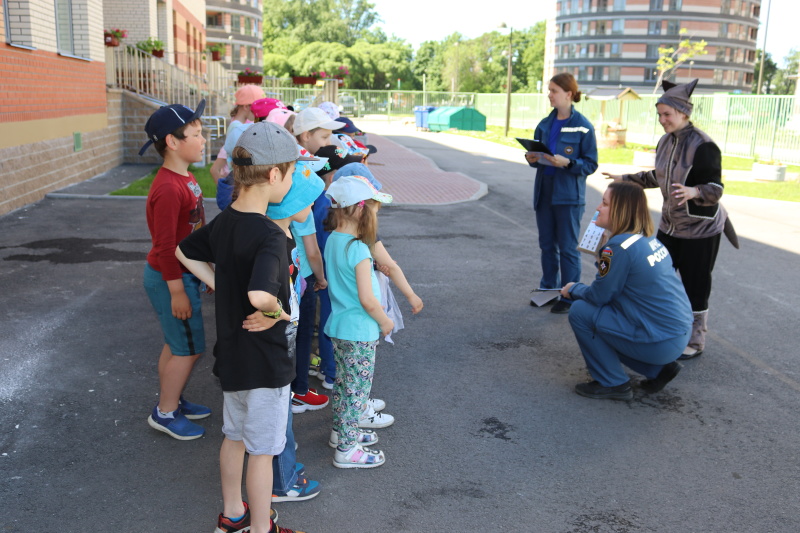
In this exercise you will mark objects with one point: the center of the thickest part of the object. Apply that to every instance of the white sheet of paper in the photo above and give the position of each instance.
(542, 297)
(542, 160)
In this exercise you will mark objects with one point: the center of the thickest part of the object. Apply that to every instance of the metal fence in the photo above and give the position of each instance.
(758, 127)
(132, 69)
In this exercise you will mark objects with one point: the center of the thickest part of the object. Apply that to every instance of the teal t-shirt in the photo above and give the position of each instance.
(348, 321)
(300, 230)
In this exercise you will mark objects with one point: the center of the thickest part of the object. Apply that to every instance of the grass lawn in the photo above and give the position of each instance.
(141, 186)
(788, 191)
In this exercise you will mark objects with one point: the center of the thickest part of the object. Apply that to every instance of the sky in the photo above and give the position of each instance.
(433, 20)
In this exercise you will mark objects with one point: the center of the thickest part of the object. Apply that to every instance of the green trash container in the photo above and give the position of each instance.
(460, 118)
(434, 124)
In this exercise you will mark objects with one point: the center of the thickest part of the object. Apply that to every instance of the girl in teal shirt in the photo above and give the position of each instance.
(357, 318)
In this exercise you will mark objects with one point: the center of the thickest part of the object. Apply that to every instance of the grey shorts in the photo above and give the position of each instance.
(258, 417)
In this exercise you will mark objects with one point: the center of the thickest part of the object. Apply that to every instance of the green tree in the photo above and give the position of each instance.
(670, 57)
(327, 60)
(785, 79)
(770, 70)
(429, 60)
(533, 56)
(383, 64)
(308, 21)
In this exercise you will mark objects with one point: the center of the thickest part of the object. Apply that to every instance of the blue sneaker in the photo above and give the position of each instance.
(178, 427)
(304, 489)
(299, 469)
(193, 411)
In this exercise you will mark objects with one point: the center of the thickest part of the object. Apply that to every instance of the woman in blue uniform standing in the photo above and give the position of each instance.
(559, 194)
(636, 312)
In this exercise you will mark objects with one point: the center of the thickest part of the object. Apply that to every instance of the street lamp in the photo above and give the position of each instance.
(763, 50)
(508, 80)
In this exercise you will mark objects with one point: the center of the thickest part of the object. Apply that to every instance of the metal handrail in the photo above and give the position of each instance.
(134, 70)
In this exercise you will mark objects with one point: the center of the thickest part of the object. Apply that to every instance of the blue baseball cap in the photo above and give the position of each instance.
(306, 187)
(169, 118)
(357, 169)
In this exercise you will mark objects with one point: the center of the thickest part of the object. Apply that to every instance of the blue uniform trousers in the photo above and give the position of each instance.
(559, 226)
(605, 354)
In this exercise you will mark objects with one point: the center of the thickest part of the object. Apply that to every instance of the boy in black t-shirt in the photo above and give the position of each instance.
(255, 368)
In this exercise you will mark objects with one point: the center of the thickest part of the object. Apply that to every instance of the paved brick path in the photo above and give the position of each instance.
(413, 179)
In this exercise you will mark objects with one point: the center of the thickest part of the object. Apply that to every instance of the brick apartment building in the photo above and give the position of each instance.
(607, 43)
(61, 118)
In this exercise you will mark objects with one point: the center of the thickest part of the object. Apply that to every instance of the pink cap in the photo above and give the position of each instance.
(247, 94)
(279, 116)
(263, 106)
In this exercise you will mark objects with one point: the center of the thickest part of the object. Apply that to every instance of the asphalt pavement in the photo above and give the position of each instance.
(489, 433)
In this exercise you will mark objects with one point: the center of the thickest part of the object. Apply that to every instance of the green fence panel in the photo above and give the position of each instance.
(760, 127)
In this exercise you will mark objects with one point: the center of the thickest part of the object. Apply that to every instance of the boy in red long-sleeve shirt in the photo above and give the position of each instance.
(174, 210)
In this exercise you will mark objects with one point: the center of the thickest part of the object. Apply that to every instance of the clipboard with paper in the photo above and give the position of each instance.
(537, 147)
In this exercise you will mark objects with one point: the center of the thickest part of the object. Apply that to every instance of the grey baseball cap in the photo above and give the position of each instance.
(268, 144)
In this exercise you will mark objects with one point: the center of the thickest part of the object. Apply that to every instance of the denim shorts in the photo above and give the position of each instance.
(258, 417)
(184, 337)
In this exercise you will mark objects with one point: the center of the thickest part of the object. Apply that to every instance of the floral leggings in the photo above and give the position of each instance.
(355, 366)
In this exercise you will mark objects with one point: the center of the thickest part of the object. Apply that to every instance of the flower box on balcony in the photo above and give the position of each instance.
(304, 80)
(256, 80)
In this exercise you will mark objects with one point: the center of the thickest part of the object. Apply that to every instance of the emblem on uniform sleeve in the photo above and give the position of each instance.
(604, 263)
(568, 150)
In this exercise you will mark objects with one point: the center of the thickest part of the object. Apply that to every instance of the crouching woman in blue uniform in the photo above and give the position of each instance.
(636, 312)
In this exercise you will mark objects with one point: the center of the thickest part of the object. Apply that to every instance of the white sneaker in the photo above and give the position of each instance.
(366, 437)
(376, 404)
(358, 457)
(371, 419)
(325, 383)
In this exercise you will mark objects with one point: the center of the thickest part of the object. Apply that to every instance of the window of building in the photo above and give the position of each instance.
(613, 74)
(673, 27)
(720, 54)
(600, 50)
(717, 76)
(656, 5)
(576, 6)
(618, 26)
(64, 37)
(236, 23)
(756, 11)
(619, 5)
(723, 29)
(650, 74)
(597, 74)
(248, 26)
(615, 49)
(587, 6)
(602, 5)
(582, 74)
(236, 53)
(724, 8)
(748, 78)
(753, 34)
(751, 56)
(675, 5)
(654, 27)
(652, 51)
(584, 51)
(601, 27)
